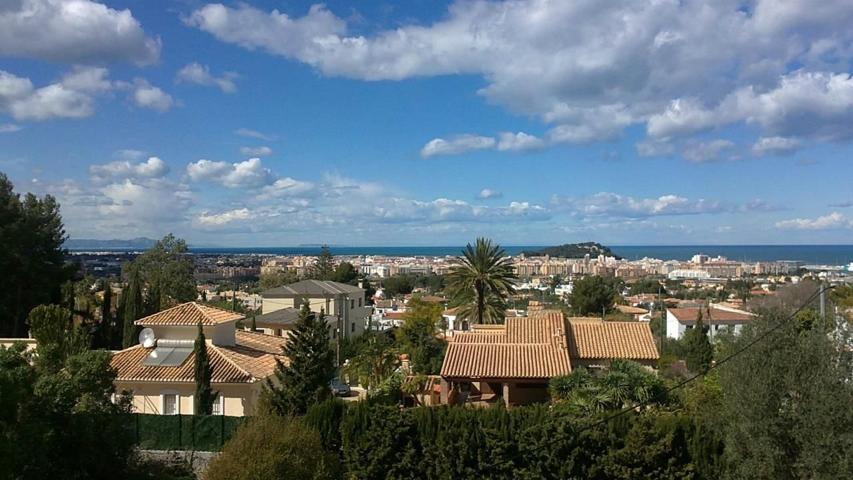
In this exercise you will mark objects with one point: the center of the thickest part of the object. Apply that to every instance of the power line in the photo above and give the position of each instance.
(681, 384)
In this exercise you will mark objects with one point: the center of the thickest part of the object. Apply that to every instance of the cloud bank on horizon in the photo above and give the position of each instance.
(632, 122)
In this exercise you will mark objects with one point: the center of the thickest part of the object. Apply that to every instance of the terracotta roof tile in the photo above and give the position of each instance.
(600, 339)
(688, 315)
(189, 314)
(525, 347)
(251, 359)
(483, 360)
(542, 346)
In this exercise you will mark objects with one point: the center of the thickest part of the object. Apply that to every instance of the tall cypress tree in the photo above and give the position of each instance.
(107, 326)
(304, 380)
(700, 353)
(204, 396)
(132, 307)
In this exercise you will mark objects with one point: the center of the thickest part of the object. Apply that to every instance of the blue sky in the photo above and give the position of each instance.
(422, 123)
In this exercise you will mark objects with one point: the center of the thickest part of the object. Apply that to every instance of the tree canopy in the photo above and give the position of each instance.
(698, 350)
(593, 295)
(31, 256)
(787, 400)
(304, 379)
(166, 270)
(57, 415)
(274, 448)
(481, 281)
(422, 321)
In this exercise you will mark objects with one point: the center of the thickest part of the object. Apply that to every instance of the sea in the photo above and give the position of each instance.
(809, 254)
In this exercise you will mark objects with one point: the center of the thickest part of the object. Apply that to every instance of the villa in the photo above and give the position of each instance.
(515, 361)
(160, 375)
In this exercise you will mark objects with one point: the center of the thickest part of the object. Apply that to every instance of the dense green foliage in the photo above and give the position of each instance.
(166, 269)
(56, 408)
(274, 448)
(406, 283)
(593, 295)
(202, 371)
(32, 266)
(646, 285)
(572, 250)
(132, 307)
(324, 267)
(787, 401)
(698, 350)
(57, 338)
(374, 360)
(417, 336)
(529, 442)
(276, 279)
(481, 281)
(304, 379)
(623, 385)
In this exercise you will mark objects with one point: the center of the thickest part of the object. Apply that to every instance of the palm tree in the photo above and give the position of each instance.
(481, 282)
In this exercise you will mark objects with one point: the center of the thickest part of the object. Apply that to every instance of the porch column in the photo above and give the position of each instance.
(506, 386)
(445, 389)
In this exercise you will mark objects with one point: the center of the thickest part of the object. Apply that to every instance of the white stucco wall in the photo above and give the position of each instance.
(239, 399)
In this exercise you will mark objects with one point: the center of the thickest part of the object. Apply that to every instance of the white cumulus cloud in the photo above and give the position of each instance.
(456, 145)
(249, 173)
(825, 222)
(148, 96)
(73, 31)
(154, 167)
(199, 74)
(677, 67)
(488, 193)
(775, 146)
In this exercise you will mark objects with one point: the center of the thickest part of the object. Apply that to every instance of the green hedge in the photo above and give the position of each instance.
(182, 432)
(520, 443)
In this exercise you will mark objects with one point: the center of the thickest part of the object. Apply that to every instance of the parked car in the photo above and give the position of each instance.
(339, 389)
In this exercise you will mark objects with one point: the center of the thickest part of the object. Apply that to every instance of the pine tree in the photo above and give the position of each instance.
(204, 396)
(700, 353)
(304, 380)
(132, 307)
(324, 268)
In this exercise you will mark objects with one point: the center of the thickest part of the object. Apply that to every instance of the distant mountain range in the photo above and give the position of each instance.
(140, 243)
(572, 250)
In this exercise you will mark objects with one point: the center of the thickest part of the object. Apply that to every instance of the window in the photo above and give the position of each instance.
(352, 327)
(170, 404)
(219, 405)
(359, 302)
(351, 304)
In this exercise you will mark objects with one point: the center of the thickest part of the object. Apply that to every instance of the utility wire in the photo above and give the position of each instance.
(681, 384)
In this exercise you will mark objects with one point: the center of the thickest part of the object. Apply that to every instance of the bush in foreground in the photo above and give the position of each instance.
(274, 448)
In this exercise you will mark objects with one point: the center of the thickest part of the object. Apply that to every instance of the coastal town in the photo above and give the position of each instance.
(443, 240)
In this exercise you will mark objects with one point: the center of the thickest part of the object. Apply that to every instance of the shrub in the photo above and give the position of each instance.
(274, 448)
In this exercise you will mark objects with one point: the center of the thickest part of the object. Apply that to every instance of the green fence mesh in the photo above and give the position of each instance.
(182, 432)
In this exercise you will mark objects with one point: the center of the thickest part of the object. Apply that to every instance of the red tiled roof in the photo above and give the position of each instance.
(189, 314)
(542, 345)
(688, 315)
(252, 358)
(484, 360)
(525, 347)
(600, 339)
